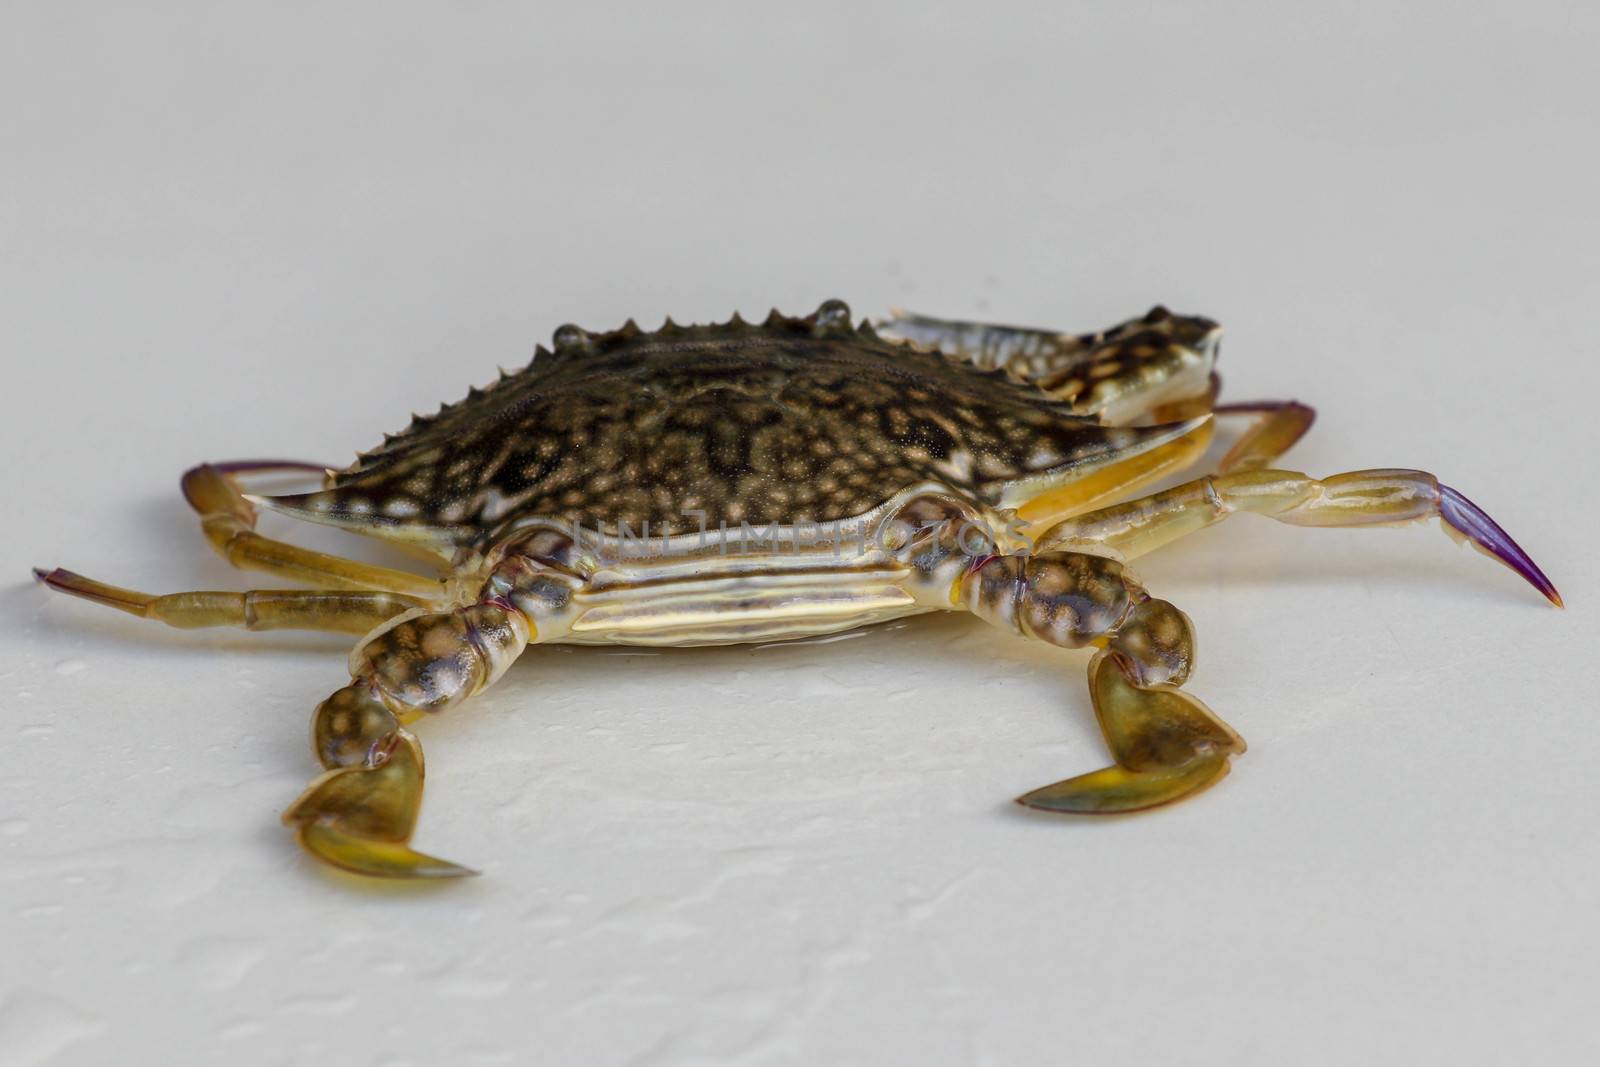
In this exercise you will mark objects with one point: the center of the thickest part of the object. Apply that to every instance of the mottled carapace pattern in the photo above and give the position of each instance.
(792, 420)
(1089, 371)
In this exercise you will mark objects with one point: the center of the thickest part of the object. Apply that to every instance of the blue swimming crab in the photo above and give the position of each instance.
(739, 482)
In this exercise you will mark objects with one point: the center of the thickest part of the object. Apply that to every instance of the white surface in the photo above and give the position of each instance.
(232, 234)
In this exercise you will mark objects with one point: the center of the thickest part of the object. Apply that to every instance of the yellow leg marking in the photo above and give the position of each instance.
(1277, 428)
(1119, 479)
(1359, 498)
(1275, 431)
(229, 522)
(355, 612)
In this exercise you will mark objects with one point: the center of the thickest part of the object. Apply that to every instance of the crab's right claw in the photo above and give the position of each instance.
(379, 859)
(360, 817)
(1113, 790)
(1167, 744)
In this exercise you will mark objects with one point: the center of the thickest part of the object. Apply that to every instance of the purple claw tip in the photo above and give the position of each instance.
(1484, 532)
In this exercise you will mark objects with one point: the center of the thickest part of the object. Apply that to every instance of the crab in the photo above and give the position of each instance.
(738, 482)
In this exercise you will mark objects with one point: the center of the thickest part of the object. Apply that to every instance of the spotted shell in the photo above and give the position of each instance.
(795, 419)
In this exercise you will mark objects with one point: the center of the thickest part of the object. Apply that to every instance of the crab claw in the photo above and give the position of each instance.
(360, 817)
(1114, 790)
(1464, 519)
(379, 859)
(1167, 746)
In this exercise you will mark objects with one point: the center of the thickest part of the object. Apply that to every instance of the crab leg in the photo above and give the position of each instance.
(1359, 498)
(359, 815)
(229, 520)
(341, 611)
(1165, 744)
(1278, 425)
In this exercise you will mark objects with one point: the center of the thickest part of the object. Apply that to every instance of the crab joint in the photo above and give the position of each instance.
(1073, 599)
(353, 728)
(430, 661)
(1067, 599)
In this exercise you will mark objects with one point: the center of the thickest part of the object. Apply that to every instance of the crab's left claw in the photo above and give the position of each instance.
(359, 816)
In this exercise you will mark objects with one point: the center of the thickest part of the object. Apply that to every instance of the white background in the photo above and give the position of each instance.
(233, 231)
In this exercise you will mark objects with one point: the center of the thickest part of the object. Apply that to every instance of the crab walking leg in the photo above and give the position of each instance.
(1279, 425)
(229, 520)
(359, 815)
(1165, 743)
(339, 611)
(1359, 498)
